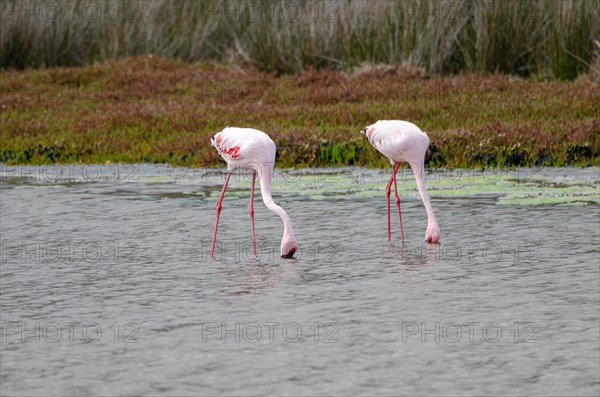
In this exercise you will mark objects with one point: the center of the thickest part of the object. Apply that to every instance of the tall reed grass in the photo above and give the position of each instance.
(548, 38)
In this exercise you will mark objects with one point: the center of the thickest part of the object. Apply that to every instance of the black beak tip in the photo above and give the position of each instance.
(289, 255)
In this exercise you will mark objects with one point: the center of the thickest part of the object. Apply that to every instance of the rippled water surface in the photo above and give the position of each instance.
(107, 288)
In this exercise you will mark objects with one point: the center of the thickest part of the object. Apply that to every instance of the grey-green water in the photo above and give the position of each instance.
(106, 286)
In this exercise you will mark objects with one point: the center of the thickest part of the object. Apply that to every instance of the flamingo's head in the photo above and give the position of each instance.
(289, 246)
(432, 234)
(365, 130)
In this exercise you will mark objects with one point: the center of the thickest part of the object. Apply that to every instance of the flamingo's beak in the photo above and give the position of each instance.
(430, 240)
(290, 254)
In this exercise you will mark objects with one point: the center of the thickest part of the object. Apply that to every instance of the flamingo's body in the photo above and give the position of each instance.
(254, 150)
(401, 141)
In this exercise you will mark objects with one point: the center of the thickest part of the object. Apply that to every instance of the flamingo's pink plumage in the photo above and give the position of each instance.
(254, 150)
(401, 141)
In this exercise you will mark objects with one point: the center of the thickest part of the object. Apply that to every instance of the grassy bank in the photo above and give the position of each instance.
(149, 109)
(547, 38)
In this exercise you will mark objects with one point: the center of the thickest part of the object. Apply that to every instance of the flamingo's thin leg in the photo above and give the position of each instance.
(251, 211)
(398, 201)
(218, 208)
(388, 191)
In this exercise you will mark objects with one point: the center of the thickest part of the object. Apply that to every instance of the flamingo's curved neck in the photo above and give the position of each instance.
(265, 190)
(419, 171)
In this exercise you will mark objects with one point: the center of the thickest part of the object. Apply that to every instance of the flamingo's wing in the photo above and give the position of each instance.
(245, 148)
(229, 145)
(397, 140)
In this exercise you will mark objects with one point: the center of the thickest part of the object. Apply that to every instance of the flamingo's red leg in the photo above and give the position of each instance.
(398, 201)
(251, 211)
(218, 207)
(388, 191)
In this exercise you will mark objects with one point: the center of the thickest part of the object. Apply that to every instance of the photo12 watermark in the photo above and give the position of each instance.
(48, 252)
(269, 332)
(473, 252)
(243, 252)
(271, 11)
(90, 11)
(469, 332)
(67, 92)
(68, 173)
(68, 332)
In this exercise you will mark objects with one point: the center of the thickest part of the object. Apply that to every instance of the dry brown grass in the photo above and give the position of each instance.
(549, 38)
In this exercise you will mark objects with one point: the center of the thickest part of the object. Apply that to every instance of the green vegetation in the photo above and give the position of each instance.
(149, 109)
(544, 38)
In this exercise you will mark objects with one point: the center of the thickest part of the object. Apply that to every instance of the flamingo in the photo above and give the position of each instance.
(401, 141)
(254, 150)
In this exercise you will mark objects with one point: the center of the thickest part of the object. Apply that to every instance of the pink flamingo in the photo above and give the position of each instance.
(401, 141)
(254, 150)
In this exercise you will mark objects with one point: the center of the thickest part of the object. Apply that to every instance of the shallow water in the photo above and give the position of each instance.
(107, 287)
